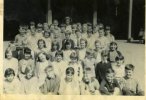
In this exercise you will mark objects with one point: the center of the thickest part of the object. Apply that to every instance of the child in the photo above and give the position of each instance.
(39, 30)
(97, 51)
(130, 85)
(54, 48)
(119, 67)
(47, 39)
(76, 64)
(89, 63)
(113, 52)
(41, 63)
(104, 41)
(67, 50)
(109, 85)
(51, 83)
(108, 34)
(11, 84)
(67, 38)
(59, 64)
(102, 66)
(30, 82)
(41, 47)
(10, 61)
(68, 85)
(82, 49)
(89, 86)
(21, 39)
(68, 22)
(84, 30)
(25, 62)
(141, 36)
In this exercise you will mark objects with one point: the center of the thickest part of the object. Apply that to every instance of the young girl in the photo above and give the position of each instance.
(41, 47)
(113, 52)
(68, 85)
(25, 62)
(109, 86)
(59, 64)
(30, 82)
(54, 48)
(67, 50)
(10, 61)
(11, 84)
(89, 63)
(76, 64)
(41, 64)
(82, 49)
(89, 86)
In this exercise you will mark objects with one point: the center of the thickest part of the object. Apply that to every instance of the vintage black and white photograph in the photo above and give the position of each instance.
(74, 47)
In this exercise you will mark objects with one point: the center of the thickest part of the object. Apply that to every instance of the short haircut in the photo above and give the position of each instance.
(82, 39)
(49, 67)
(74, 55)
(70, 70)
(7, 51)
(109, 71)
(59, 52)
(47, 56)
(129, 67)
(9, 72)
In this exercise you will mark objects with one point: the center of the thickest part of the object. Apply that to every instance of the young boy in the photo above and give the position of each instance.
(108, 34)
(52, 82)
(11, 84)
(68, 85)
(102, 66)
(130, 85)
(109, 86)
(97, 51)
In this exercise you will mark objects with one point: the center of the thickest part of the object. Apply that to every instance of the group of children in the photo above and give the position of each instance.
(67, 59)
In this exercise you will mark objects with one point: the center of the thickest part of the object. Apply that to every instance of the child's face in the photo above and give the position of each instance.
(29, 74)
(84, 28)
(113, 47)
(97, 45)
(10, 78)
(67, 21)
(129, 73)
(55, 47)
(108, 31)
(78, 34)
(58, 58)
(68, 46)
(83, 44)
(67, 36)
(27, 56)
(101, 33)
(46, 35)
(69, 77)
(109, 77)
(50, 73)
(9, 55)
(104, 57)
(42, 57)
(62, 29)
(73, 59)
(41, 44)
(119, 62)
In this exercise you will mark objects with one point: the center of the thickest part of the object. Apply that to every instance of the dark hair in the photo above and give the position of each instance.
(68, 42)
(114, 43)
(8, 72)
(47, 56)
(109, 71)
(70, 70)
(120, 57)
(59, 52)
(55, 43)
(27, 50)
(43, 42)
(129, 67)
(7, 51)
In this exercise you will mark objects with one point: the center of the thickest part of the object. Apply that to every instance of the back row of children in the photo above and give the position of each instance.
(70, 59)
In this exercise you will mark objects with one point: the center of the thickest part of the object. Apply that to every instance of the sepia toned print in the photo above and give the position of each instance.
(75, 48)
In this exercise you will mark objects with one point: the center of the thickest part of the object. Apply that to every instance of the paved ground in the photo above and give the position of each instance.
(134, 54)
